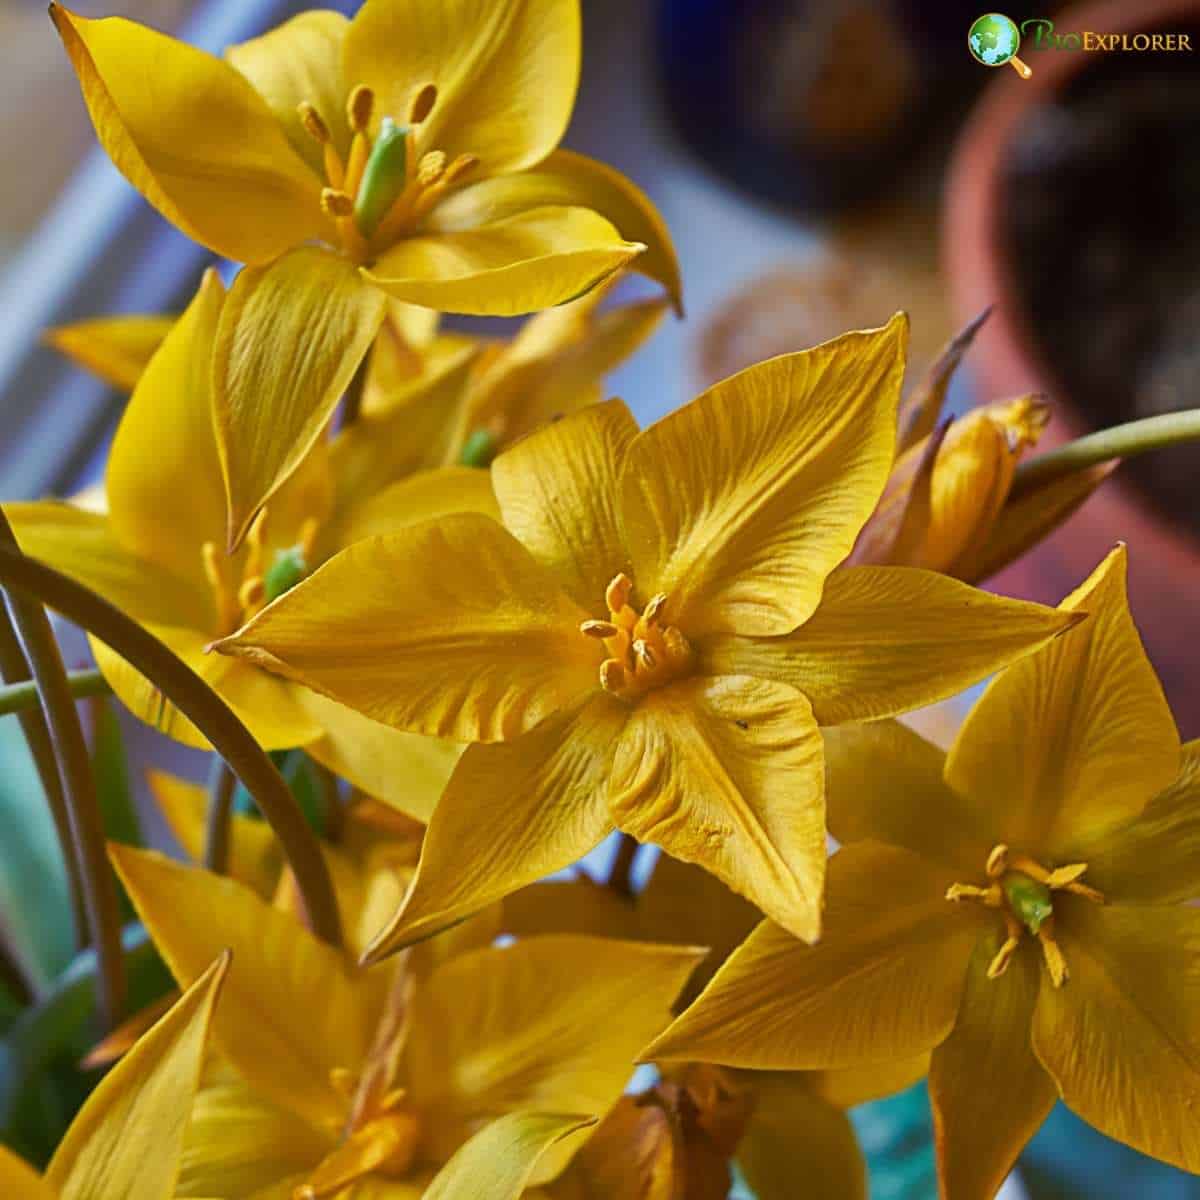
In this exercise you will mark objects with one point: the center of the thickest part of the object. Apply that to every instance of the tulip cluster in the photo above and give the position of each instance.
(483, 623)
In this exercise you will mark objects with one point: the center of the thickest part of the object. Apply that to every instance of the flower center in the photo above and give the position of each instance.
(260, 581)
(1023, 890)
(385, 187)
(643, 652)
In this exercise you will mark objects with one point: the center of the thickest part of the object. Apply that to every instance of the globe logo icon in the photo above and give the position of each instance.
(994, 40)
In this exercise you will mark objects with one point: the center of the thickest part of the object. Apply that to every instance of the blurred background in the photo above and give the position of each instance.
(820, 165)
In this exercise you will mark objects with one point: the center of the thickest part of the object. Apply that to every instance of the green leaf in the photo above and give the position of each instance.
(110, 767)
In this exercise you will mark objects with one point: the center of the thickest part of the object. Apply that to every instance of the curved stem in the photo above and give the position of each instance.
(1121, 441)
(22, 696)
(620, 877)
(205, 709)
(221, 785)
(78, 788)
(15, 670)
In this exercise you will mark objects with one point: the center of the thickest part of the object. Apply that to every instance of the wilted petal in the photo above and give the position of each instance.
(739, 504)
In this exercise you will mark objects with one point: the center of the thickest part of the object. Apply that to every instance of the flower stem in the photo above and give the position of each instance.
(1121, 441)
(78, 787)
(331, 801)
(206, 710)
(222, 783)
(14, 668)
(619, 878)
(22, 696)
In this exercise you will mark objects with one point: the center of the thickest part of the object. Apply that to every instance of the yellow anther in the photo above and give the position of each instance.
(644, 654)
(654, 608)
(1052, 953)
(464, 164)
(422, 102)
(307, 540)
(220, 580)
(336, 204)
(612, 675)
(999, 964)
(997, 862)
(360, 107)
(968, 891)
(313, 122)
(617, 594)
(431, 168)
(251, 595)
(598, 629)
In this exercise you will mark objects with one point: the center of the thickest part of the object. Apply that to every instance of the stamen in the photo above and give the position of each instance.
(968, 891)
(1052, 953)
(654, 608)
(220, 580)
(997, 862)
(313, 122)
(612, 675)
(462, 165)
(617, 594)
(644, 655)
(251, 594)
(360, 107)
(431, 168)
(422, 102)
(336, 204)
(999, 964)
(598, 629)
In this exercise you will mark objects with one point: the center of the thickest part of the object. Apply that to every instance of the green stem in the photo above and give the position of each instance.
(1121, 441)
(206, 710)
(78, 787)
(15, 670)
(23, 695)
(222, 783)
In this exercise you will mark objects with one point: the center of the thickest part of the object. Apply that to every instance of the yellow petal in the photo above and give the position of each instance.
(793, 1134)
(858, 1085)
(268, 1028)
(166, 497)
(516, 265)
(83, 545)
(1122, 1036)
(739, 504)
(683, 903)
(1028, 518)
(727, 772)
(239, 1143)
(193, 137)
(403, 363)
(126, 1141)
(255, 858)
(511, 814)
(404, 770)
(18, 1178)
(1075, 740)
(267, 706)
(568, 178)
(884, 783)
(421, 497)
(889, 639)
(115, 348)
(503, 1157)
(884, 982)
(448, 628)
(301, 61)
(531, 1027)
(1154, 858)
(557, 491)
(988, 1091)
(290, 338)
(505, 72)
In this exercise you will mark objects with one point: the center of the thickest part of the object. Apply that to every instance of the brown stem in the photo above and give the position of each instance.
(221, 785)
(206, 710)
(331, 800)
(78, 788)
(15, 671)
(620, 877)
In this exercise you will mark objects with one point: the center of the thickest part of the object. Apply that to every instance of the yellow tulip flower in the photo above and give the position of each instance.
(651, 637)
(363, 1082)
(1013, 907)
(409, 152)
(158, 553)
(126, 1142)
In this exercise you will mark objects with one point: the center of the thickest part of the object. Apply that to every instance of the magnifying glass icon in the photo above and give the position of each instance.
(994, 40)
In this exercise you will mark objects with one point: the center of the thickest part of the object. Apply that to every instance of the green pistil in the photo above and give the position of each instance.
(1029, 900)
(288, 569)
(479, 449)
(384, 177)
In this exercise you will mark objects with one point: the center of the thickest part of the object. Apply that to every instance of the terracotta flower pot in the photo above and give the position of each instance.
(1008, 358)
